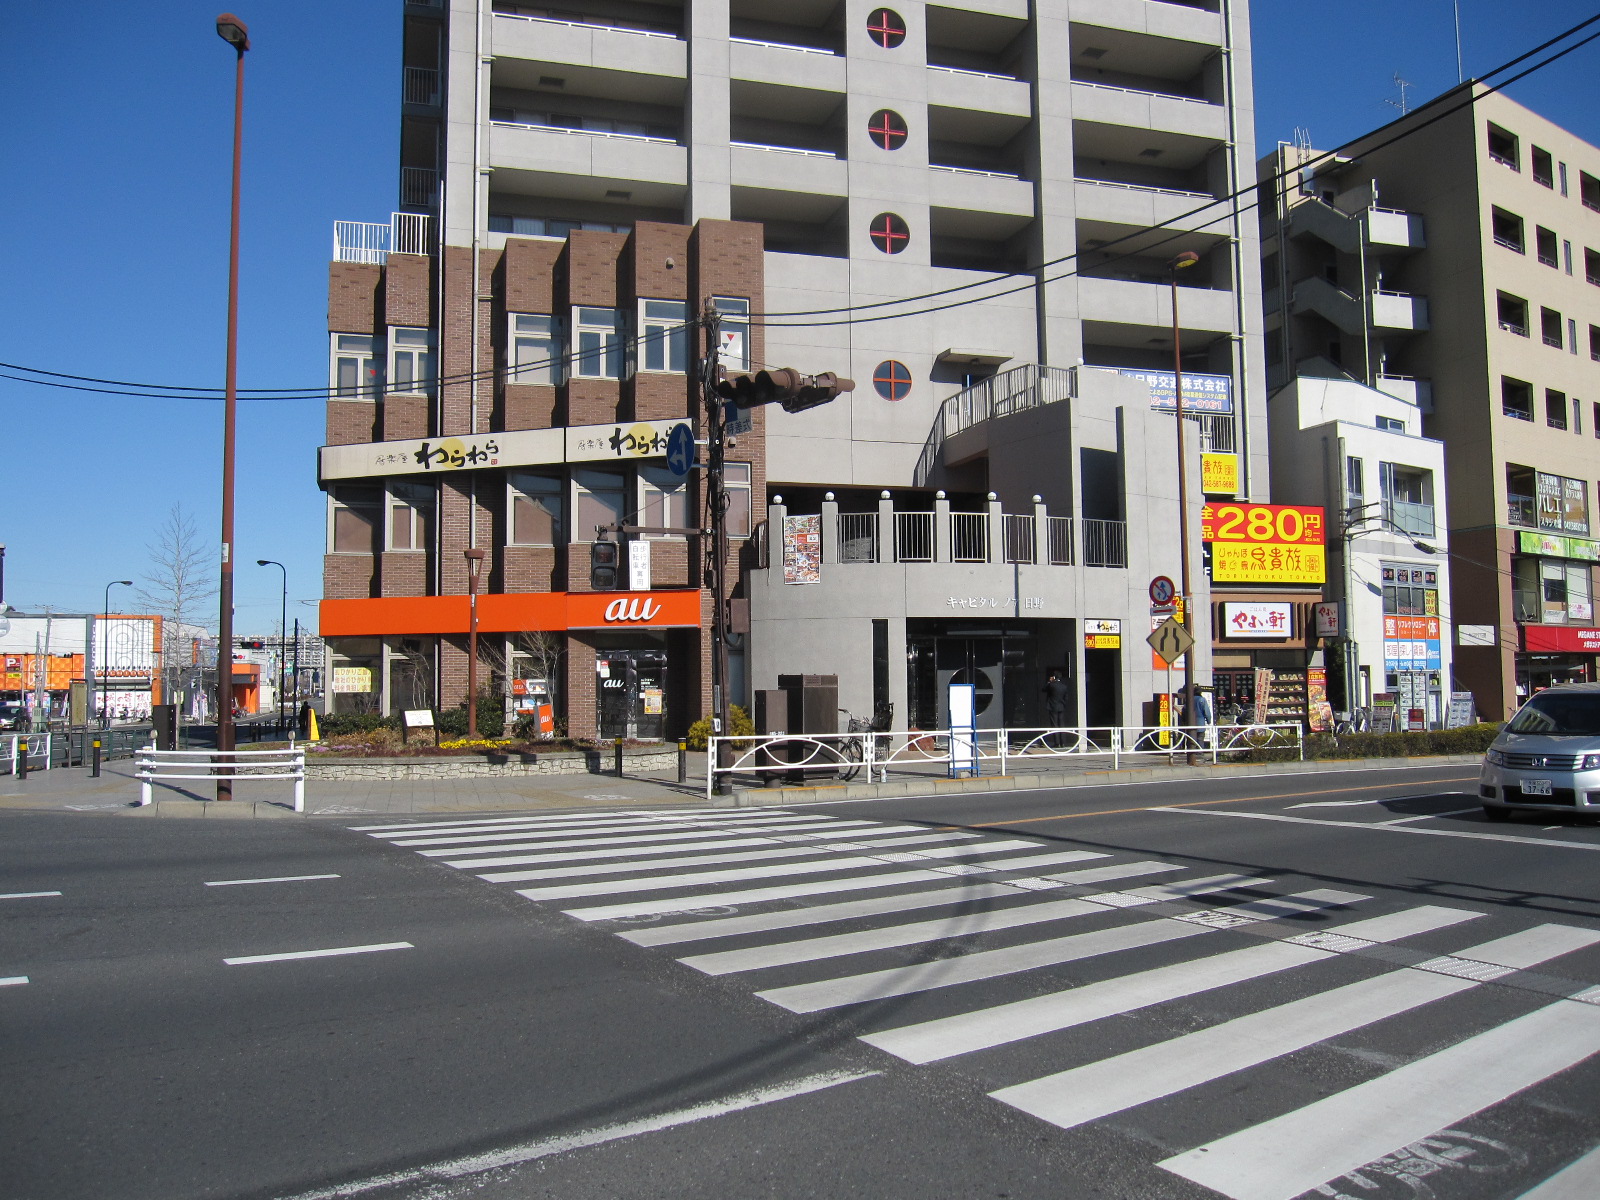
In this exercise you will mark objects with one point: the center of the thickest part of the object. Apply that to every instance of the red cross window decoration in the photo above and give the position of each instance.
(889, 233)
(887, 129)
(892, 380)
(886, 27)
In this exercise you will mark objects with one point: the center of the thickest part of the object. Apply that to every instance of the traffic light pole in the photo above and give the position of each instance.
(717, 501)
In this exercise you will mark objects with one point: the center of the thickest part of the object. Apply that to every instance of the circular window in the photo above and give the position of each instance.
(889, 232)
(892, 380)
(886, 27)
(887, 129)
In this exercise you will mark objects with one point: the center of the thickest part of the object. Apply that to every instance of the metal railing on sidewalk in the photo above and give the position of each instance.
(209, 766)
(35, 748)
(817, 757)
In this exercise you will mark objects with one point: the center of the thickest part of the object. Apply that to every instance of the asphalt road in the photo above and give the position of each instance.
(1323, 985)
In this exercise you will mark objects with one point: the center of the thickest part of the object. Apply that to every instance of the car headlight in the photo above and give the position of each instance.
(1591, 762)
(1496, 759)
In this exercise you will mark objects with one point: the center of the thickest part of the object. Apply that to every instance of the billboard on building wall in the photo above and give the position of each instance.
(1219, 474)
(802, 549)
(1265, 543)
(1201, 393)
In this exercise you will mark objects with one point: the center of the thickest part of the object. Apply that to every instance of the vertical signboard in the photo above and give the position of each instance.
(802, 549)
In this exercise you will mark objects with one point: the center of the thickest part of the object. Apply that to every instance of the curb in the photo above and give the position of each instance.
(825, 793)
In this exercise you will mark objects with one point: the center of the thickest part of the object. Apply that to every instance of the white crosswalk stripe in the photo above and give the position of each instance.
(924, 909)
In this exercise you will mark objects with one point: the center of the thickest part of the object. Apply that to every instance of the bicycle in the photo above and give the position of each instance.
(853, 750)
(1356, 721)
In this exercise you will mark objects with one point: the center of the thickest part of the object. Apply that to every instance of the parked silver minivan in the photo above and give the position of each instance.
(1547, 758)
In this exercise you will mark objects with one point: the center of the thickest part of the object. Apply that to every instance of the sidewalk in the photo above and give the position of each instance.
(116, 792)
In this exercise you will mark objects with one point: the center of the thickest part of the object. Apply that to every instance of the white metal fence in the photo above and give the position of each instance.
(210, 766)
(37, 746)
(828, 757)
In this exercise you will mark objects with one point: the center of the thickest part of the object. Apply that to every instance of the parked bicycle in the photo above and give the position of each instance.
(1356, 721)
(853, 750)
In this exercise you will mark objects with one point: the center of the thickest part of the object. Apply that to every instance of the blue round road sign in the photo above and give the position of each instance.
(680, 450)
(1162, 590)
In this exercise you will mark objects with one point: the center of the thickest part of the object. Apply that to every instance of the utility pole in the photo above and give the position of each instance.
(717, 502)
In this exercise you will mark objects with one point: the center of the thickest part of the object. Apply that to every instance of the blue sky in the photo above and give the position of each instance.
(114, 203)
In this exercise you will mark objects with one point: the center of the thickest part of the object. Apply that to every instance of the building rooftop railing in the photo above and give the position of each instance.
(370, 242)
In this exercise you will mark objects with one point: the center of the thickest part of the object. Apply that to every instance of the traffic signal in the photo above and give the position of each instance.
(784, 386)
(251, 644)
(603, 566)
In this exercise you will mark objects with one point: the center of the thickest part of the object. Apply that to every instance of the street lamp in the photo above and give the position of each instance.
(474, 565)
(1186, 259)
(231, 30)
(104, 640)
(283, 629)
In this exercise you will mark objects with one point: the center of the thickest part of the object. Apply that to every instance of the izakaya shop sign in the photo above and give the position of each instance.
(1264, 543)
(1257, 620)
(1219, 474)
(621, 442)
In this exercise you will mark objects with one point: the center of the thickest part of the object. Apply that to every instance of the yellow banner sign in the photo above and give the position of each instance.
(1267, 562)
(1219, 474)
(1102, 641)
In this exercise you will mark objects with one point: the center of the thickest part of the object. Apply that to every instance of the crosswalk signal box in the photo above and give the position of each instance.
(603, 566)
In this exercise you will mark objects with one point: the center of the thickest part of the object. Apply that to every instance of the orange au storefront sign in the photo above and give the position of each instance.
(388, 616)
(1265, 543)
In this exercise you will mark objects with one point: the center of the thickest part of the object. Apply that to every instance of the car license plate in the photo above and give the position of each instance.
(1535, 787)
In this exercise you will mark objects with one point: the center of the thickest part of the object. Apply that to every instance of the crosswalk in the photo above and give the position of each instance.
(1006, 955)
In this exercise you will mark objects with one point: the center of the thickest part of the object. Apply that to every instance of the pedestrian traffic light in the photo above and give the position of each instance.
(784, 386)
(603, 566)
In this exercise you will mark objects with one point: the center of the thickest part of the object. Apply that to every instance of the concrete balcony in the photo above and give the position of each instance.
(1141, 207)
(806, 67)
(1399, 312)
(1126, 302)
(787, 169)
(1385, 230)
(1176, 21)
(1394, 312)
(1392, 229)
(1418, 392)
(950, 87)
(1149, 110)
(981, 191)
(541, 152)
(581, 44)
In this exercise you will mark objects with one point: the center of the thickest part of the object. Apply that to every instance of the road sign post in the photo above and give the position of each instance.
(1170, 640)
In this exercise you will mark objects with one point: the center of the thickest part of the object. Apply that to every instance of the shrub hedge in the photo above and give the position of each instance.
(1470, 739)
(700, 731)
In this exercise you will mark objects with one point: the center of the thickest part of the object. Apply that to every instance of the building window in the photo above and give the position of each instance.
(1407, 498)
(1589, 190)
(411, 362)
(1555, 408)
(889, 232)
(597, 343)
(1561, 169)
(411, 515)
(1513, 313)
(354, 515)
(1522, 505)
(1572, 335)
(1354, 481)
(1391, 425)
(734, 331)
(1409, 590)
(1543, 166)
(664, 335)
(600, 499)
(736, 479)
(1591, 266)
(356, 370)
(1506, 228)
(1594, 342)
(1503, 148)
(1594, 419)
(548, 226)
(535, 349)
(886, 27)
(1552, 592)
(887, 129)
(1516, 398)
(536, 509)
(1550, 327)
(664, 500)
(892, 380)
(1546, 243)
(1566, 256)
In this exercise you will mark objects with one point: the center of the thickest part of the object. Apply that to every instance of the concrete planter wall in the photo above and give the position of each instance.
(640, 762)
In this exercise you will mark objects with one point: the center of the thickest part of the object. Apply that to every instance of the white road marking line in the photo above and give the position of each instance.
(690, 931)
(1454, 812)
(1073, 1097)
(695, 879)
(512, 1156)
(1198, 887)
(337, 950)
(26, 895)
(1552, 843)
(445, 823)
(637, 854)
(752, 958)
(631, 837)
(1578, 1181)
(13, 980)
(946, 1037)
(1283, 1157)
(788, 891)
(554, 824)
(628, 827)
(1130, 870)
(275, 879)
(639, 866)
(1335, 803)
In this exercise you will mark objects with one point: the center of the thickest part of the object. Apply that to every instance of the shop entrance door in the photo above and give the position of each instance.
(631, 689)
(976, 661)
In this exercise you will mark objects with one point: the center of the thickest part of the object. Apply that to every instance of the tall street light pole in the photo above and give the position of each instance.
(1186, 259)
(283, 629)
(233, 31)
(474, 565)
(102, 640)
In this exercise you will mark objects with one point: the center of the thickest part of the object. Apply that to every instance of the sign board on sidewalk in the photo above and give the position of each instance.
(1462, 710)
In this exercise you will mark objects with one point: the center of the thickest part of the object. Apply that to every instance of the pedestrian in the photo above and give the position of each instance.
(1202, 704)
(1056, 697)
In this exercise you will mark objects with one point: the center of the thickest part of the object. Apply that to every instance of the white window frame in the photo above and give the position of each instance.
(607, 358)
(663, 337)
(516, 490)
(335, 504)
(411, 361)
(421, 500)
(523, 332)
(733, 484)
(735, 332)
(367, 361)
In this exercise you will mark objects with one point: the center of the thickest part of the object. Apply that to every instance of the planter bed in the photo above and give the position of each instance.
(477, 766)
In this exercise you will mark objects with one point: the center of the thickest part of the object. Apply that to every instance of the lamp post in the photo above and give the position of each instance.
(283, 629)
(100, 667)
(1184, 260)
(474, 565)
(231, 30)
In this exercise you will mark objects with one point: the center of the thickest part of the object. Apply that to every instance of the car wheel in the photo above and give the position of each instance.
(1494, 813)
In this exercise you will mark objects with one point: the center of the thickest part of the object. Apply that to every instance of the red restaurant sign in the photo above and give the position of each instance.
(1560, 639)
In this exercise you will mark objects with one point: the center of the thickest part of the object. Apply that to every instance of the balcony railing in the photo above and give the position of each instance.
(969, 537)
(421, 85)
(913, 537)
(1021, 546)
(966, 537)
(611, 25)
(367, 242)
(858, 537)
(1058, 541)
(419, 187)
(1108, 87)
(1409, 517)
(1105, 543)
(1513, 327)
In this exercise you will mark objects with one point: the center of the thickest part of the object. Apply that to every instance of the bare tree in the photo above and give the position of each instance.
(180, 579)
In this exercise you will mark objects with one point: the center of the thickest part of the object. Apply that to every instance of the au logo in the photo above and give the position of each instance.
(632, 610)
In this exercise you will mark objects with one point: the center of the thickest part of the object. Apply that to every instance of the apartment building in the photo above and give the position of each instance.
(575, 183)
(1456, 269)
